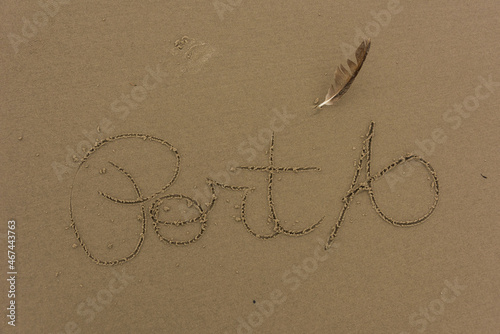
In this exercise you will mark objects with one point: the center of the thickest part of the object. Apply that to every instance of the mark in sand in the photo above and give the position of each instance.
(366, 153)
(159, 197)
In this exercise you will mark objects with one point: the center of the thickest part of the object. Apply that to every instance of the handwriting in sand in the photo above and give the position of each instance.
(157, 198)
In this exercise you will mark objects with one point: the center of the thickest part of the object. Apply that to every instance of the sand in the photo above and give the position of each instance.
(164, 169)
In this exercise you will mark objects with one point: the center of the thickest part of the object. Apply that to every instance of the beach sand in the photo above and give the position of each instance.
(124, 127)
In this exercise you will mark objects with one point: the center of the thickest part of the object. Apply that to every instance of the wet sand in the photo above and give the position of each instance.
(167, 171)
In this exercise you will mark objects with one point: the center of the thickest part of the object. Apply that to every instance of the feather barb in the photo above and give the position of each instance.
(343, 78)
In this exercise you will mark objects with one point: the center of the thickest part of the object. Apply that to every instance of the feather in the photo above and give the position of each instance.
(343, 78)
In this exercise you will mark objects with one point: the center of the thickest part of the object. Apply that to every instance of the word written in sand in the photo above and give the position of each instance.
(159, 197)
